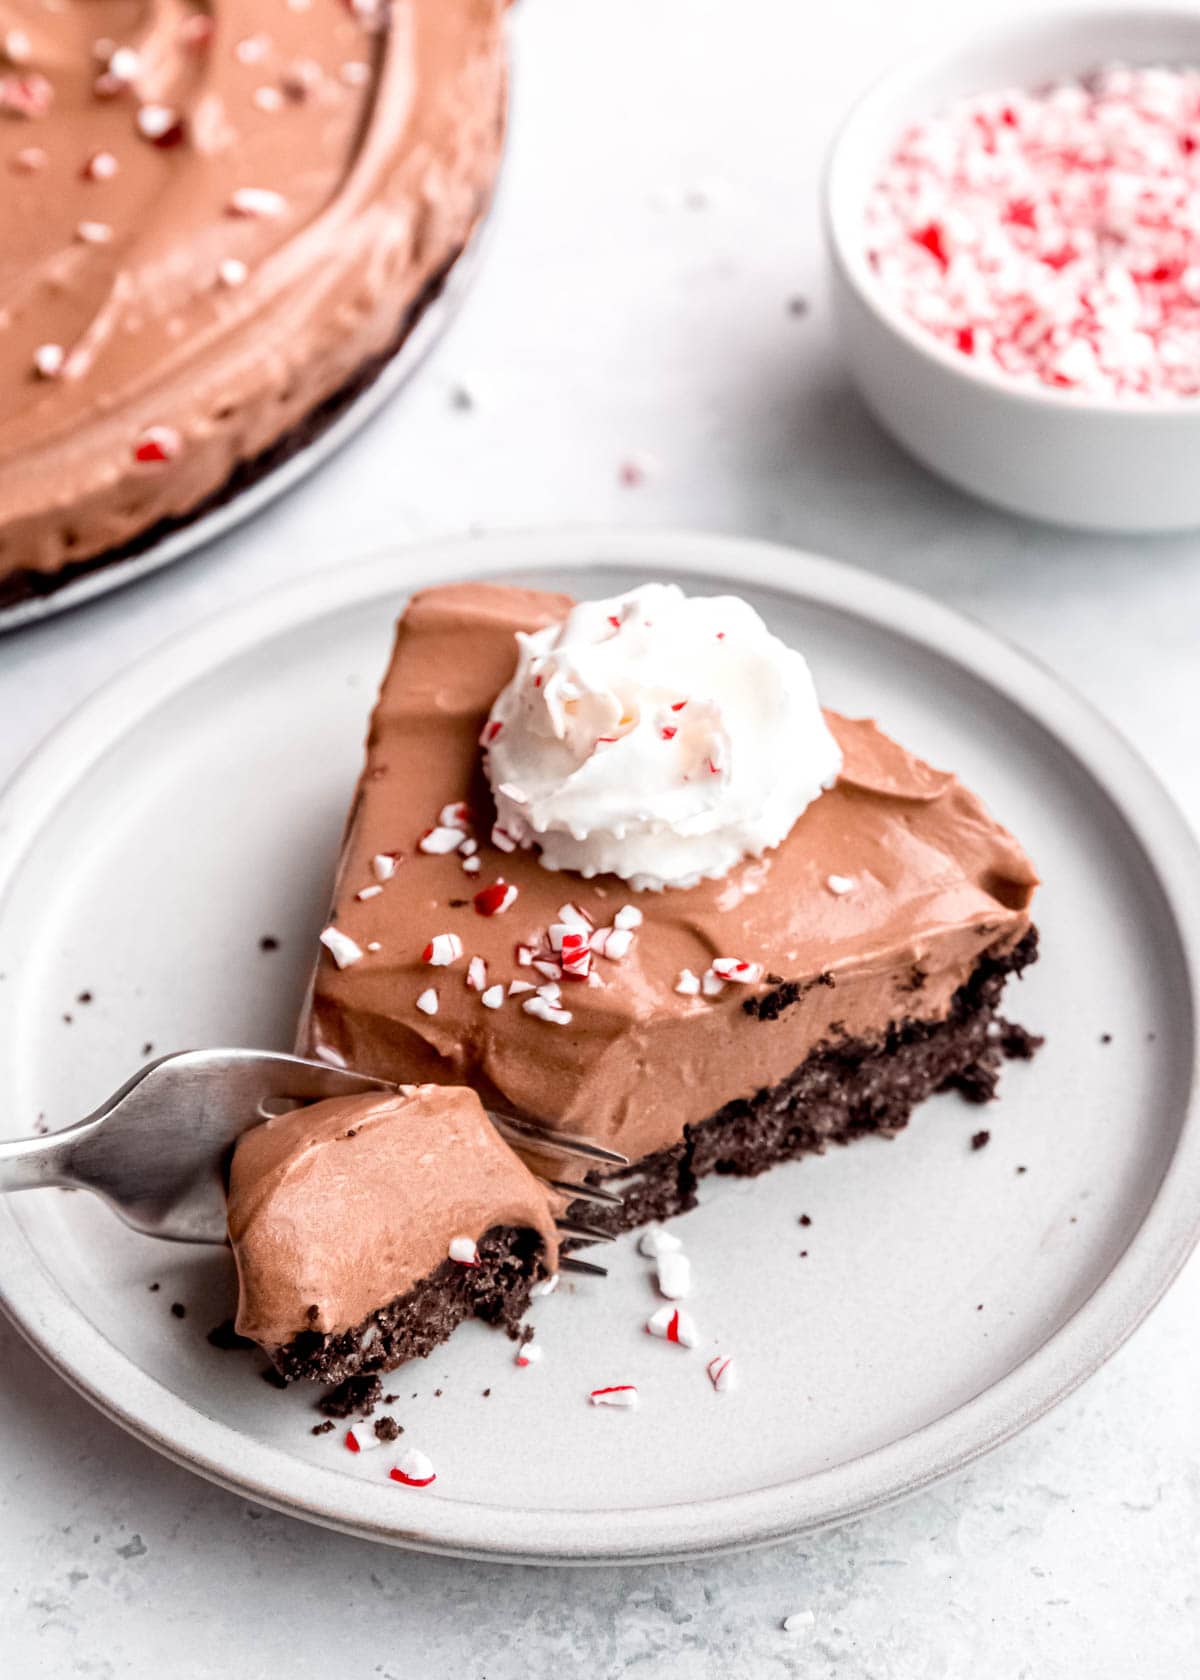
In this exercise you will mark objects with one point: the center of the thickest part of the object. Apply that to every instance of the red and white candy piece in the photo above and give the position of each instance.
(29, 95)
(101, 166)
(471, 866)
(48, 359)
(427, 1003)
(477, 974)
(442, 950)
(361, 1437)
(734, 968)
(516, 987)
(656, 1240)
(384, 865)
(341, 947)
(688, 984)
(529, 1353)
(256, 204)
(673, 1273)
(550, 970)
(160, 124)
(502, 839)
(545, 1286)
(490, 731)
(495, 899)
(364, 893)
(436, 842)
(672, 1324)
(455, 815)
(612, 942)
(413, 1469)
(712, 985)
(493, 997)
(570, 915)
(544, 1010)
(464, 1251)
(156, 446)
(617, 1394)
(722, 1373)
(628, 917)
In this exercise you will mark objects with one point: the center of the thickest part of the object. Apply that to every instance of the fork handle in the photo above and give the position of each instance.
(29, 1163)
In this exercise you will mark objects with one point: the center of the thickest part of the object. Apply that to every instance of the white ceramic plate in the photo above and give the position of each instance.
(946, 1299)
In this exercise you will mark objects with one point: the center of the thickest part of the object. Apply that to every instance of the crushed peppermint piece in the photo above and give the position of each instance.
(688, 984)
(672, 1324)
(252, 49)
(493, 997)
(341, 947)
(469, 847)
(413, 1469)
(477, 974)
(440, 840)
(798, 1621)
(101, 166)
(369, 892)
(656, 1240)
(577, 960)
(124, 64)
(572, 916)
(267, 98)
(27, 95)
(94, 233)
(840, 885)
(30, 159)
(619, 1394)
(157, 445)
(722, 1373)
(712, 985)
(464, 1251)
(232, 272)
(524, 956)
(471, 866)
(552, 992)
(673, 1273)
(159, 124)
(356, 72)
(612, 942)
(529, 1353)
(734, 968)
(491, 729)
(48, 359)
(545, 1286)
(628, 917)
(374, 945)
(384, 865)
(257, 203)
(361, 1437)
(456, 815)
(516, 987)
(18, 48)
(495, 899)
(442, 950)
(502, 839)
(427, 1003)
(551, 970)
(544, 1010)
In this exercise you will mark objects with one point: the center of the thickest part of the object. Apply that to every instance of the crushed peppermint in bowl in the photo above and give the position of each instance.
(1014, 228)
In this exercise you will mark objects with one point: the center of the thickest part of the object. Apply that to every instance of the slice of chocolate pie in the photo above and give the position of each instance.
(765, 928)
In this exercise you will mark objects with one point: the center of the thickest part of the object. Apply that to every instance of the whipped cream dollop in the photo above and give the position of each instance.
(656, 736)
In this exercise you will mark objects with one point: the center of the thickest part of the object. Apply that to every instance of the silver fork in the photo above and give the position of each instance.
(158, 1149)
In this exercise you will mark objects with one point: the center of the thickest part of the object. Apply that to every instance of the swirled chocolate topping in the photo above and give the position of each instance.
(874, 909)
(214, 216)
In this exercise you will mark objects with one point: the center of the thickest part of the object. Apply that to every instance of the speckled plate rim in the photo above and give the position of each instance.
(52, 1323)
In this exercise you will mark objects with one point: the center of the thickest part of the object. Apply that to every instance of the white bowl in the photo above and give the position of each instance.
(1104, 464)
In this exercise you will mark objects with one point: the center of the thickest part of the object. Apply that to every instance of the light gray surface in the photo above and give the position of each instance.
(659, 210)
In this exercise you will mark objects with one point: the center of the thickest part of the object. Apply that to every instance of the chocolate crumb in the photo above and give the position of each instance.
(178, 1310)
(387, 1429)
(154, 1288)
(979, 1308)
(487, 1394)
(981, 1140)
(1022, 1169)
(225, 1337)
(805, 1220)
(322, 1428)
(437, 1394)
(268, 942)
(1106, 1038)
(797, 307)
(1017, 1043)
(459, 903)
(357, 1394)
(389, 1399)
(804, 1254)
(274, 1377)
(84, 997)
(147, 1048)
(68, 1019)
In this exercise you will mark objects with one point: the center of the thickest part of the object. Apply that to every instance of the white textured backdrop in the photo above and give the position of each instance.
(659, 212)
